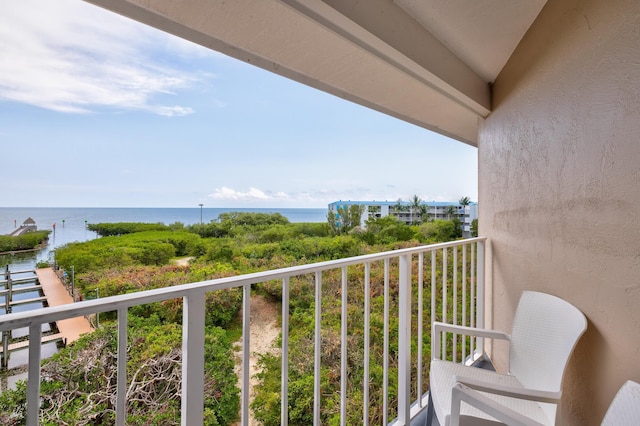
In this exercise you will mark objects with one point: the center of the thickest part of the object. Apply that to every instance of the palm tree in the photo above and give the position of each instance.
(424, 211)
(465, 201)
(373, 211)
(400, 207)
(415, 204)
(450, 210)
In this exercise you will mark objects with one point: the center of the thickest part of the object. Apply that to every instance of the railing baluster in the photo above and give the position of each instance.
(246, 352)
(193, 317)
(121, 385)
(480, 292)
(385, 361)
(464, 299)
(434, 288)
(474, 302)
(33, 382)
(367, 355)
(317, 351)
(455, 302)
(420, 320)
(444, 301)
(284, 385)
(343, 349)
(404, 340)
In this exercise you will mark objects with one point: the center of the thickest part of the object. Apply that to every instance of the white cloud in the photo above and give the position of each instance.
(175, 111)
(229, 197)
(73, 57)
(258, 195)
(225, 193)
(312, 197)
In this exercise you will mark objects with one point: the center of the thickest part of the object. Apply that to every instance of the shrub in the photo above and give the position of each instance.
(251, 219)
(27, 241)
(439, 230)
(143, 248)
(122, 228)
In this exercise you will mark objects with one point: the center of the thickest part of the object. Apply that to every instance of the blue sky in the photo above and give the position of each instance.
(100, 111)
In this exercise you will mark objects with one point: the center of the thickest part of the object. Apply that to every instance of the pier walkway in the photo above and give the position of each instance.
(56, 295)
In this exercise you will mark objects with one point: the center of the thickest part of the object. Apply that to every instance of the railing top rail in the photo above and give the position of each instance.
(112, 303)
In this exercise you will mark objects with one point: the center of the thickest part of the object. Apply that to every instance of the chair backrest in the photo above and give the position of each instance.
(545, 332)
(625, 407)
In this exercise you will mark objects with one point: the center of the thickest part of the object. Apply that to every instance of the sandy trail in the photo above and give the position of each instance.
(182, 261)
(263, 335)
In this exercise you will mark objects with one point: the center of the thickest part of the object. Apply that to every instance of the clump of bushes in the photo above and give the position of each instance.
(122, 228)
(26, 241)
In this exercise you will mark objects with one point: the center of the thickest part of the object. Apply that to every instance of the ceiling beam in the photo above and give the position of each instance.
(385, 30)
(388, 62)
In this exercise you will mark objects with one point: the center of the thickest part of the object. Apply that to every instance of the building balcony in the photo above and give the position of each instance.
(443, 282)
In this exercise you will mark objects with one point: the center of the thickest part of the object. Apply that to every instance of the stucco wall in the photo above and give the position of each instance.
(559, 181)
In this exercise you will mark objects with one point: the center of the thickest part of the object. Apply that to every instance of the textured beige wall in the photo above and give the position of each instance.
(559, 178)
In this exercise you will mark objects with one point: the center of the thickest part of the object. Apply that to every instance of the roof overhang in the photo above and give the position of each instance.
(429, 63)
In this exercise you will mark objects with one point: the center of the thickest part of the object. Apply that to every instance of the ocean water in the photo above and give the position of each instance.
(70, 223)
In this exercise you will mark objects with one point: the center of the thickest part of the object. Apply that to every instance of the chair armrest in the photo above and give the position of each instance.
(438, 327)
(510, 391)
(504, 414)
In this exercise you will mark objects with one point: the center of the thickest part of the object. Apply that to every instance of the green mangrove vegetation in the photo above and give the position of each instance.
(78, 383)
(27, 241)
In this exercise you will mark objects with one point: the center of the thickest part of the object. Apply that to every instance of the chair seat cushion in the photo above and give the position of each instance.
(442, 381)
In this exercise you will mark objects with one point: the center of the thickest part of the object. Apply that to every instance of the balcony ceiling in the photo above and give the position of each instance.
(428, 62)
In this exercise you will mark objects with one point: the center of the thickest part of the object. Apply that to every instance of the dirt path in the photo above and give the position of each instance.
(263, 335)
(182, 261)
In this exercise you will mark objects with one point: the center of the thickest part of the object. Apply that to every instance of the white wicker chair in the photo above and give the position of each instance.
(625, 407)
(544, 334)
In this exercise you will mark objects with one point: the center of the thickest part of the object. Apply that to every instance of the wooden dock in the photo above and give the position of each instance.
(24, 301)
(56, 295)
(17, 281)
(58, 337)
(21, 290)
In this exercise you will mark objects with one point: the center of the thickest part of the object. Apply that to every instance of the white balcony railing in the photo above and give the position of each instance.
(448, 278)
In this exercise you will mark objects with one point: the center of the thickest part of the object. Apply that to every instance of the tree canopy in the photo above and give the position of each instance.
(345, 219)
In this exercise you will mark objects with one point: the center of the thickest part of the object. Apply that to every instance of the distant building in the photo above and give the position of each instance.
(435, 210)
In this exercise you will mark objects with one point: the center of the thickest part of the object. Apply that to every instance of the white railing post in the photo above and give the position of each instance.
(367, 337)
(284, 382)
(385, 361)
(193, 318)
(121, 384)
(420, 321)
(343, 348)
(480, 291)
(464, 299)
(404, 340)
(444, 300)
(246, 352)
(33, 382)
(455, 302)
(472, 314)
(317, 351)
(433, 288)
